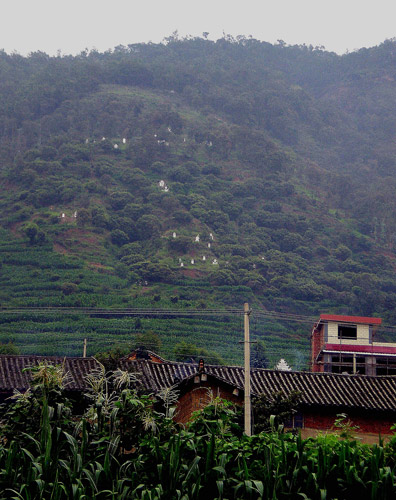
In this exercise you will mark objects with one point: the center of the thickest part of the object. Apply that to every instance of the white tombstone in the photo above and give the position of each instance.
(103, 138)
(63, 215)
(192, 261)
(204, 257)
(115, 146)
(155, 135)
(197, 238)
(86, 141)
(75, 214)
(214, 262)
(254, 266)
(181, 264)
(169, 129)
(124, 140)
(161, 183)
(166, 189)
(283, 366)
(174, 234)
(184, 140)
(211, 236)
(208, 245)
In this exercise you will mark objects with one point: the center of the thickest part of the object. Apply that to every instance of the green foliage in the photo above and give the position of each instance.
(294, 178)
(190, 353)
(9, 348)
(273, 411)
(121, 447)
(148, 340)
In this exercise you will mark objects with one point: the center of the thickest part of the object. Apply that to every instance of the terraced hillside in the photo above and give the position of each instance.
(195, 176)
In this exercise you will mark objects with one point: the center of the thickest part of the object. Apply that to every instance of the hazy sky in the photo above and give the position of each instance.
(73, 25)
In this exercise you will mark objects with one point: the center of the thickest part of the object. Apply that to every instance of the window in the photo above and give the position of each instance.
(386, 365)
(296, 421)
(347, 363)
(347, 332)
(341, 363)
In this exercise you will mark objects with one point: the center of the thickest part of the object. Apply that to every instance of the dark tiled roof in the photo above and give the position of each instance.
(13, 377)
(317, 389)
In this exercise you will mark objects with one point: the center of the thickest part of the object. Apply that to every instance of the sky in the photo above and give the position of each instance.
(70, 26)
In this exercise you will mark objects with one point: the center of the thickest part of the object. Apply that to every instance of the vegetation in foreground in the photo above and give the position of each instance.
(125, 446)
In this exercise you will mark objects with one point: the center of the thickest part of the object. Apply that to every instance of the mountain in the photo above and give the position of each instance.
(196, 175)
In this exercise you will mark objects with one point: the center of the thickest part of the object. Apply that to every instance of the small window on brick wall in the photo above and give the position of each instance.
(347, 332)
(295, 422)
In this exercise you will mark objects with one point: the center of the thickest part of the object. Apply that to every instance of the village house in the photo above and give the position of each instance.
(369, 401)
(346, 344)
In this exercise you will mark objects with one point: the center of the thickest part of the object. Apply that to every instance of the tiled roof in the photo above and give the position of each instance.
(13, 377)
(361, 320)
(317, 389)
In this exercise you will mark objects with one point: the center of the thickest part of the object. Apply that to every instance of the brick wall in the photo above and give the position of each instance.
(373, 424)
(196, 398)
(317, 342)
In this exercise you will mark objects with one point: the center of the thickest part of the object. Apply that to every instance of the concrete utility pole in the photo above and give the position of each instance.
(248, 422)
(85, 349)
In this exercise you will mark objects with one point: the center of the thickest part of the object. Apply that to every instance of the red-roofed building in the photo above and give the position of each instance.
(346, 344)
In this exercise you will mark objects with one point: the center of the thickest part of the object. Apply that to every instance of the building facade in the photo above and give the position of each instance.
(346, 344)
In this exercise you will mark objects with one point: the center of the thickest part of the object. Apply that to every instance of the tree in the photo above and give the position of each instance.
(149, 341)
(118, 237)
(9, 348)
(31, 230)
(259, 355)
(190, 353)
(279, 405)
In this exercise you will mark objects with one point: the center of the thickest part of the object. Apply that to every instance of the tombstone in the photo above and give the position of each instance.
(211, 236)
(86, 141)
(124, 140)
(103, 138)
(161, 183)
(174, 235)
(75, 214)
(63, 215)
(262, 258)
(197, 238)
(155, 135)
(214, 262)
(283, 366)
(115, 146)
(166, 189)
(166, 143)
(204, 257)
(192, 261)
(184, 140)
(169, 129)
(181, 264)
(208, 245)
(254, 266)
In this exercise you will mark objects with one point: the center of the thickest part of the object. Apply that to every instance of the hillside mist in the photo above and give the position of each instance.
(282, 159)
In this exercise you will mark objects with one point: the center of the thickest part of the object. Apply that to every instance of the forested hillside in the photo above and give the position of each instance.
(196, 175)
